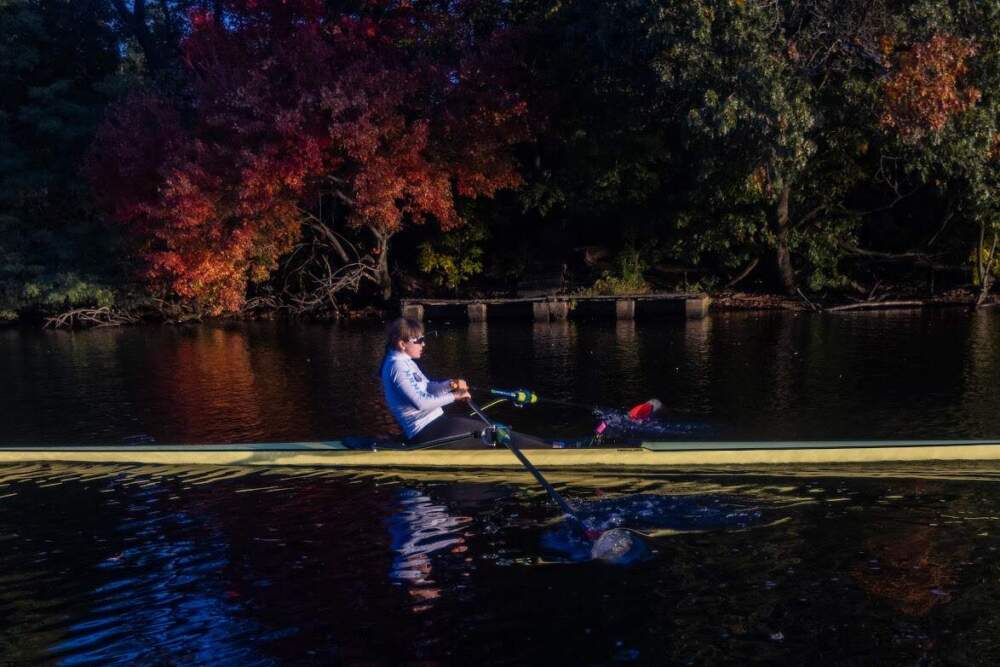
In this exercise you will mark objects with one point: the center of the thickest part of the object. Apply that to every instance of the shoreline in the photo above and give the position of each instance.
(721, 302)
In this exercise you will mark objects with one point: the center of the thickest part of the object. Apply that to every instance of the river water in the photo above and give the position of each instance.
(895, 564)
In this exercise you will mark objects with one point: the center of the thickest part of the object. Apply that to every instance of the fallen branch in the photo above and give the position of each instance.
(744, 273)
(870, 305)
(90, 317)
(922, 259)
(261, 303)
(808, 302)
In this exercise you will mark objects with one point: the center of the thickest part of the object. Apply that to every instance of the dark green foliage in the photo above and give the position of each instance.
(56, 59)
(455, 257)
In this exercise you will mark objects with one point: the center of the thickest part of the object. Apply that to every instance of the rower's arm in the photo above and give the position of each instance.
(417, 393)
(438, 387)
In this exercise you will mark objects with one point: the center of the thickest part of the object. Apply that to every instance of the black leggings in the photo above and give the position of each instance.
(454, 425)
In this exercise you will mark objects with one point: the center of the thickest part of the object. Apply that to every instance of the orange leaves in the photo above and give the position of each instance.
(926, 89)
(887, 44)
(282, 105)
(759, 180)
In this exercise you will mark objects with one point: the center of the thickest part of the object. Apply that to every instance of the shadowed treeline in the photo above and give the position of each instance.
(193, 157)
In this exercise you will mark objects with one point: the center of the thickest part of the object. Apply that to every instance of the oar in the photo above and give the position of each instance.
(522, 397)
(618, 546)
(507, 441)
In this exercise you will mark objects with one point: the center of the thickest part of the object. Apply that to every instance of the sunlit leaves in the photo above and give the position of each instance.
(927, 89)
(288, 102)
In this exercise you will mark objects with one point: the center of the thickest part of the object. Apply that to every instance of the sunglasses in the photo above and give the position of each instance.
(421, 340)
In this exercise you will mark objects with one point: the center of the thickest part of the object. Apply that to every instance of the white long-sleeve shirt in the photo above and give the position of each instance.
(413, 400)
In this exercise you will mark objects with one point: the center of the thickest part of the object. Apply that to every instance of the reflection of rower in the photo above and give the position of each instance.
(418, 529)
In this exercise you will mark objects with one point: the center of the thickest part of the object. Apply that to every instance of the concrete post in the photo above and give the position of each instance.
(697, 308)
(477, 312)
(414, 311)
(559, 310)
(540, 309)
(625, 309)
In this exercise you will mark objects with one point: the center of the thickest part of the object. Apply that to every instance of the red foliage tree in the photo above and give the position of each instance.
(395, 111)
(925, 90)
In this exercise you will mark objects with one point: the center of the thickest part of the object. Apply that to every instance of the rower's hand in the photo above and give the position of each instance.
(461, 385)
(461, 394)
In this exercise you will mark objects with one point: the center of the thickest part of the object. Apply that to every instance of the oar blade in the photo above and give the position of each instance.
(620, 546)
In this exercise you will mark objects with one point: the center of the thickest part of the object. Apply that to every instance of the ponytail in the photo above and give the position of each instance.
(401, 328)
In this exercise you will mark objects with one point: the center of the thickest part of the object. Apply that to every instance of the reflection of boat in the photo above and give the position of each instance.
(354, 453)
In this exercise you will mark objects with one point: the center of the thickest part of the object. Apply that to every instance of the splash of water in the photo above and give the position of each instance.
(645, 512)
(618, 423)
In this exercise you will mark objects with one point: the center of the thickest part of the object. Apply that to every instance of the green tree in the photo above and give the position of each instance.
(771, 98)
(456, 256)
(58, 61)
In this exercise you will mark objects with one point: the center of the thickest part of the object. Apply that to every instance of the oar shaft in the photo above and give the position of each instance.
(525, 397)
(559, 500)
(516, 451)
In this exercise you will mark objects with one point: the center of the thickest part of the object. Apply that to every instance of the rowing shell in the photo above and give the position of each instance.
(349, 454)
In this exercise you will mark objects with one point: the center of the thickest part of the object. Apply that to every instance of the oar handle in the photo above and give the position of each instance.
(520, 397)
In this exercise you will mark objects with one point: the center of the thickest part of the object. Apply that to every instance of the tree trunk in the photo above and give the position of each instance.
(985, 264)
(382, 261)
(782, 254)
(135, 21)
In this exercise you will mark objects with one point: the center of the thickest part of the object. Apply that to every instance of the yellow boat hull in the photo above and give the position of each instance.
(336, 454)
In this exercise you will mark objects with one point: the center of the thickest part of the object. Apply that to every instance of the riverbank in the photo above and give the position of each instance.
(889, 299)
(722, 301)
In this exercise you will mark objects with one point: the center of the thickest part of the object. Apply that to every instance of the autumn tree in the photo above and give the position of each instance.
(942, 108)
(926, 88)
(394, 112)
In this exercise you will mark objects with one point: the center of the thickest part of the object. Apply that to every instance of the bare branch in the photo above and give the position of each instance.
(90, 317)
(926, 260)
(744, 273)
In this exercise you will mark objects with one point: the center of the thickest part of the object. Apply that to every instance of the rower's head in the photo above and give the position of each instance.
(405, 335)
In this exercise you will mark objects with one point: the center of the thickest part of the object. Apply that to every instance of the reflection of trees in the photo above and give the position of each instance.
(552, 345)
(628, 363)
(698, 359)
(910, 571)
(206, 384)
(980, 402)
(913, 565)
(48, 374)
(757, 358)
(875, 371)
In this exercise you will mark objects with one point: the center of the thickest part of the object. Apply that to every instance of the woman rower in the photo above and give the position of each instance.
(413, 399)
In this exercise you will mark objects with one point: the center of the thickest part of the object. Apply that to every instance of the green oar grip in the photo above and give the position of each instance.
(520, 397)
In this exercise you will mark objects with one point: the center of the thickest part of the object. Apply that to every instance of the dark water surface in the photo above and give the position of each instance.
(779, 376)
(891, 564)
